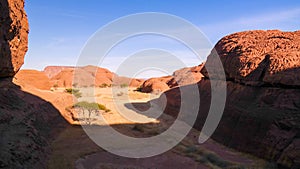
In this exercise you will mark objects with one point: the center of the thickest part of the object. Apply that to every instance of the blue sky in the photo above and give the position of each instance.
(60, 28)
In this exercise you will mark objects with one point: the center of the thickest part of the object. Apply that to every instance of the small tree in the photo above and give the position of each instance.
(89, 108)
(55, 86)
(124, 85)
(75, 92)
(103, 85)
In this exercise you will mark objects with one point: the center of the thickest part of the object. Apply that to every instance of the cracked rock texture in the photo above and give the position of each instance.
(259, 57)
(13, 36)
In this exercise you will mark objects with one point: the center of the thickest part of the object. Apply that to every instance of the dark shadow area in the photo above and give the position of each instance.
(262, 120)
(6, 67)
(139, 107)
(74, 149)
(28, 125)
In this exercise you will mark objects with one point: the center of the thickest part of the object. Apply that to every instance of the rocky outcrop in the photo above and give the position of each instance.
(260, 58)
(181, 77)
(27, 122)
(33, 79)
(52, 71)
(13, 36)
(186, 76)
(262, 111)
(87, 76)
(159, 84)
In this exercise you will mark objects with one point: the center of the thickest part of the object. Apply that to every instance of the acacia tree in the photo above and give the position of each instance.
(89, 108)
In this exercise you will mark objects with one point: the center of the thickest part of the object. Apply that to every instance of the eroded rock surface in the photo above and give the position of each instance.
(259, 58)
(13, 36)
(181, 77)
(262, 111)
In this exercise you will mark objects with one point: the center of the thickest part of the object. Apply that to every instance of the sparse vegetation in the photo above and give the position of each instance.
(104, 85)
(124, 85)
(215, 160)
(203, 156)
(86, 110)
(138, 89)
(75, 92)
(55, 86)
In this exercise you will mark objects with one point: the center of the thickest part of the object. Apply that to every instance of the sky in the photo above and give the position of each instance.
(60, 29)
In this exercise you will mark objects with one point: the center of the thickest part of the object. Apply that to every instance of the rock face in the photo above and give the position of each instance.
(262, 110)
(159, 84)
(186, 76)
(260, 57)
(13, 36)
(180, 77)
(27, 123)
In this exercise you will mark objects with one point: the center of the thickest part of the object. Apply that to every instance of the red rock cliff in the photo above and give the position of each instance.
(13, 36)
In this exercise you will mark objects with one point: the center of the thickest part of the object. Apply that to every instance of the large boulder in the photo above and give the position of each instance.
(262, 110)
(181, 77)
(13, 36)
(188, 75)
(259, 58)
(158, 84)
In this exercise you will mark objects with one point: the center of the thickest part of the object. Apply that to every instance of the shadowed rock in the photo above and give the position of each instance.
(13, 36)
(262, 111)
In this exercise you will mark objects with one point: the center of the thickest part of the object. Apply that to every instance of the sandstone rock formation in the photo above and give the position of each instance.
(87, 76)
(27, 123)
(262, 109)
(33, 79)
(180, 77)
(13, 36)
(156, 84)
(260, 57)
(136, 82)
(52, 71)
(186, 76)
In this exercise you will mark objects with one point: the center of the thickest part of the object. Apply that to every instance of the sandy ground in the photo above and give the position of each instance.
(116, 99)
(129, 104)
(132, 115)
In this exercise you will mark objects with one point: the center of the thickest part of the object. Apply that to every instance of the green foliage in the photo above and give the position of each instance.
(124, 85)
(214, 159)
(104, 85)
(90, 106)
(191, 149)
(75, 92)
